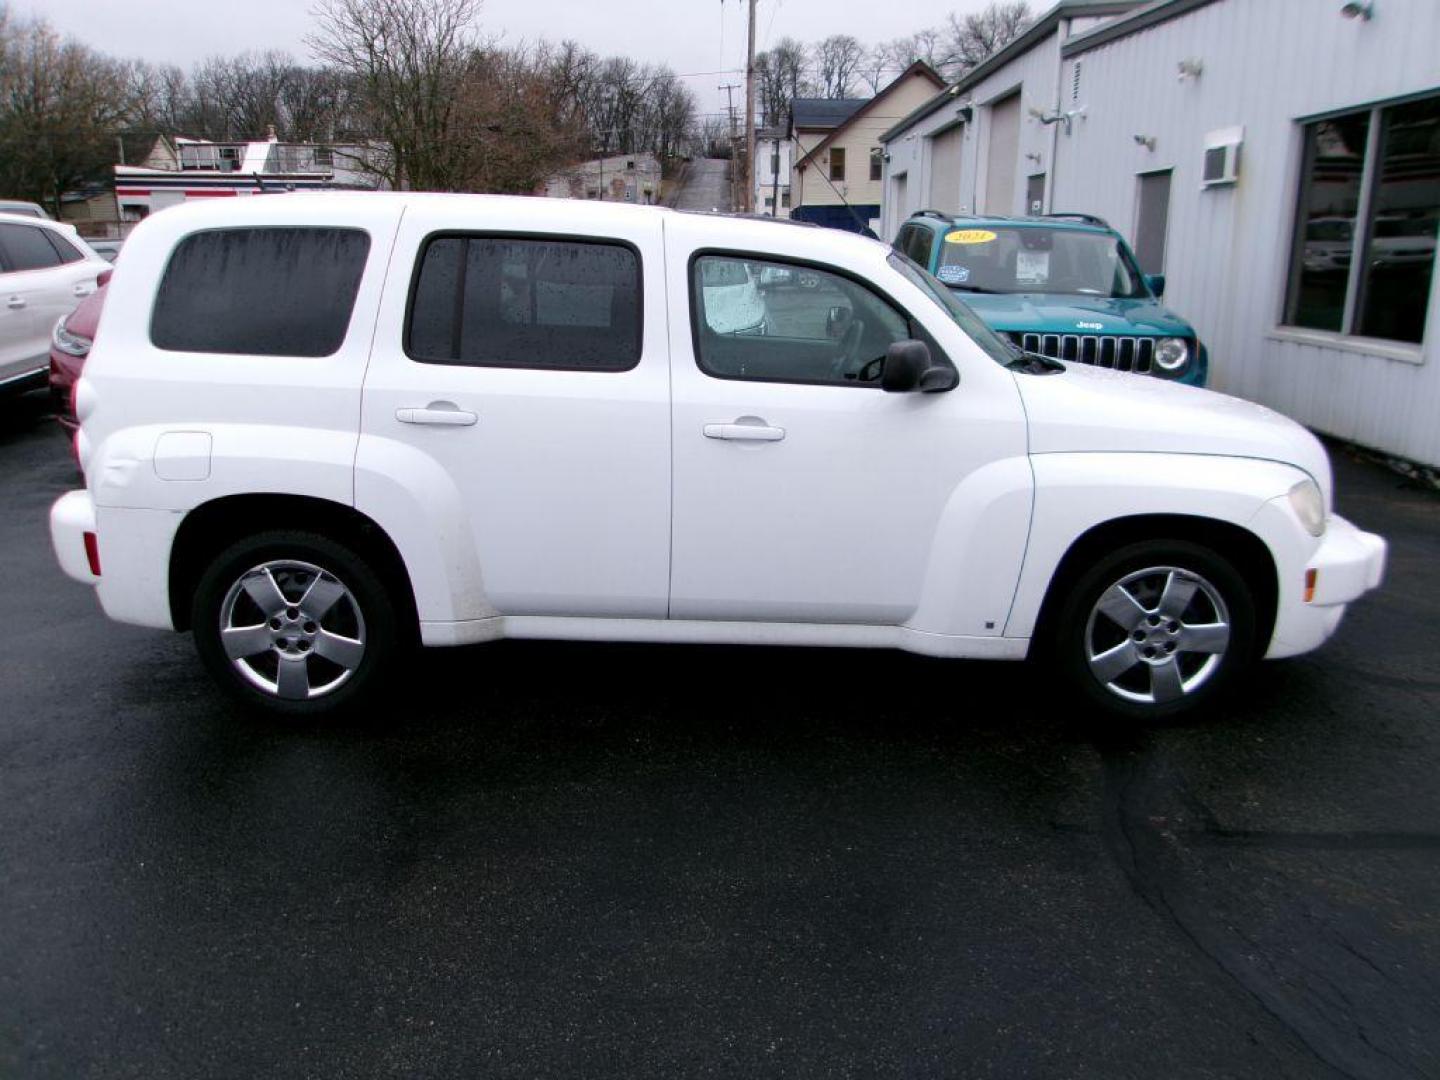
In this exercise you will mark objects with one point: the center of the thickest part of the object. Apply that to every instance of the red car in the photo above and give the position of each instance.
(69, 345)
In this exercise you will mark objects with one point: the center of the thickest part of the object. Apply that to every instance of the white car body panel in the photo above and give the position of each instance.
(837, 521)
(591, 505)
(561, 489)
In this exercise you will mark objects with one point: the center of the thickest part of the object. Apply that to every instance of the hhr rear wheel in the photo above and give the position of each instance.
(294, 623)
(1156, 629)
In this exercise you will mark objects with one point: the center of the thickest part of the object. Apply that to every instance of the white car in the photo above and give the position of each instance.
(733, 304)
(319, 427)
(45, 270)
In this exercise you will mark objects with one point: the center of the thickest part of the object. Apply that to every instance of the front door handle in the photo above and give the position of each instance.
(746, 429)
(439, 413)
(15, 302)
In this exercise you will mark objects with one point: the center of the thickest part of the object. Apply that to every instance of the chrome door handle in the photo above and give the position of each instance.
(744, 432)
(83, 289)
(439, 413)
(15, 302)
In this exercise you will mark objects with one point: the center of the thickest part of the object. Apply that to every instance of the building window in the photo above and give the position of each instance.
(877, 162)
(769, 202)
(837, 163)
(1369, 203)
(785, 200)
(775, 164)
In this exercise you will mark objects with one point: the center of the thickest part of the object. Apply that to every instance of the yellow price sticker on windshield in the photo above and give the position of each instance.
(969, 236)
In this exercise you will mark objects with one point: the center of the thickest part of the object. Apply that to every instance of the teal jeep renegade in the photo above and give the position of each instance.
(1065, 286)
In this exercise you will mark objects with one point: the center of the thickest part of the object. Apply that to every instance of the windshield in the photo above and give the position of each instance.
(1036, 259)
(997, 347)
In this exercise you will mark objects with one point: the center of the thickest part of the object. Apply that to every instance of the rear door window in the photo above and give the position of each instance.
(492, 301)
(26, 248)
(261, 292)
(67, 251)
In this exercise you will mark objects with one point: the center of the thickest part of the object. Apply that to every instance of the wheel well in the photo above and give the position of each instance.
(213, 526)
(1247, 551)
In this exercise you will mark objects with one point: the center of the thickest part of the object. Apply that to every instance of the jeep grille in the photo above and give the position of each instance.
(1098, 350)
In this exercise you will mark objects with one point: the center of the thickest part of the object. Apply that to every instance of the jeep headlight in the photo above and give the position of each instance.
(1309, 506)
(1172, 355)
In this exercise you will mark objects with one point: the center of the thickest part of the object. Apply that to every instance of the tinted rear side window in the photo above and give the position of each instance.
(26, 248)
(67, 251)
(506, 302)
(265, 292)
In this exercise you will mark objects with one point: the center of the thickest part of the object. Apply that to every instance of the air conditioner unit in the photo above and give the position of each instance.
(1222, 157)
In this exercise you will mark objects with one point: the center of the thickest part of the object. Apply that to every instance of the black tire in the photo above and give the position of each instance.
(368, 611)
(1081, 632)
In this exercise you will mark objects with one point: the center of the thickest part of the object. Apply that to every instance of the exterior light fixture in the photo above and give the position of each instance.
(1189, 68)
(1359, 9)
(1147, 141)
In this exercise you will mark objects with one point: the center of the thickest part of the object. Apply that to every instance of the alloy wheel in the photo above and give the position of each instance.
(292, 629)
(1157, 635)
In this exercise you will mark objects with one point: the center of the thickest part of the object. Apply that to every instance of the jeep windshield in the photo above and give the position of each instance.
(999, 349)
(1036, 259)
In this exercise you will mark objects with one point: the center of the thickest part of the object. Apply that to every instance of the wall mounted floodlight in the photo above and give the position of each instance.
(1189, 68)
(1147, 141)
(1065, 118)
(1359, 9)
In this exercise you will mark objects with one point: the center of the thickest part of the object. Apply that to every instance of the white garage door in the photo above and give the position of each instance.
(1000, 163)
(945, 170)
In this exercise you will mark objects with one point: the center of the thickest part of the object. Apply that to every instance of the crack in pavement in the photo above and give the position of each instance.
(1326, 1021)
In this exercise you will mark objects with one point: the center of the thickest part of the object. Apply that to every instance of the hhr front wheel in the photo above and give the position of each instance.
(294, 623)
(1156, 629)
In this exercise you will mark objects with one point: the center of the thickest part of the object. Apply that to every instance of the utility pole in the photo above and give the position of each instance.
(729, 89)
(750, 115)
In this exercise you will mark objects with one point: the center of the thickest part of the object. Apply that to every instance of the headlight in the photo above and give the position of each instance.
(1309, 506)
(1172, 354)
(68, 343)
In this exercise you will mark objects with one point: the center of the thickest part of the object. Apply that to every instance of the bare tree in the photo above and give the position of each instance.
(971, 39)
(837, 61)
(927, 45)
(409, 60)
(60, 107)
(780, 73)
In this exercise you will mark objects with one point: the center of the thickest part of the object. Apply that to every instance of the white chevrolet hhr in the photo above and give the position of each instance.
(319, 428)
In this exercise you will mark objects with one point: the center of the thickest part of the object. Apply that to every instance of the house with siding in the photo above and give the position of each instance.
(837, 171)
(1279, 162)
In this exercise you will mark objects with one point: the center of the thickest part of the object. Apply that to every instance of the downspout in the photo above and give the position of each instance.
(1062, 36)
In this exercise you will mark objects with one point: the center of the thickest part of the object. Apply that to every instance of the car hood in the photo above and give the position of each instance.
(1095, 410)
(1045, 313)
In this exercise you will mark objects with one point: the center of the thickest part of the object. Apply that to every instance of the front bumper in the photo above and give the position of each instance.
(1347, 564)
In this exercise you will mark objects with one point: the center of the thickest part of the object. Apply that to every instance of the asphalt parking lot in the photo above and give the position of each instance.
(561, 860)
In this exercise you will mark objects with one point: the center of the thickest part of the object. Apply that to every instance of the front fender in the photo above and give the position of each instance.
(1074, 493)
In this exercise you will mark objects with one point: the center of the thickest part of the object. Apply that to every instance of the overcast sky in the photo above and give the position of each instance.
(686, 34)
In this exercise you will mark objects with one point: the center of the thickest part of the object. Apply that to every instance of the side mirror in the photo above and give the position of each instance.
(1156, 284)
(908, 367)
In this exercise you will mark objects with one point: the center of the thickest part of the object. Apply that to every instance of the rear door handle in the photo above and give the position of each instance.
(744, 432)
(15, 302)
(438, 413)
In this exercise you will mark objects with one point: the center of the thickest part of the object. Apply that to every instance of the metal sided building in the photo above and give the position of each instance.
(1277, 160)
